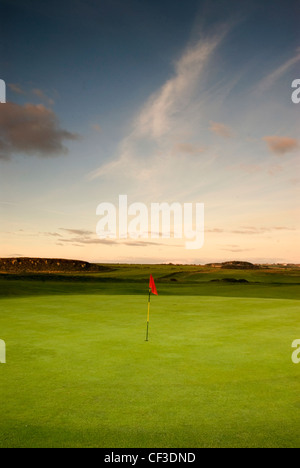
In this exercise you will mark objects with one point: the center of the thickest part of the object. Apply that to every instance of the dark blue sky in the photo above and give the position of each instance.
(123, 50)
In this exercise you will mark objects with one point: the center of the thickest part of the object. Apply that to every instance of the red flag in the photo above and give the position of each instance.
(152, 286)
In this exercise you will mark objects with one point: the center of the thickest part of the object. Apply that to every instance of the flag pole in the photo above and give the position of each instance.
(148, 316)
(152, 289)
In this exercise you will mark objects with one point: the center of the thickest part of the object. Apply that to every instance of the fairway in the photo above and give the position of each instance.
(217, 371)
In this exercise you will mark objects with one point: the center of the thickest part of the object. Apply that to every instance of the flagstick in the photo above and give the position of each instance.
(148, 316)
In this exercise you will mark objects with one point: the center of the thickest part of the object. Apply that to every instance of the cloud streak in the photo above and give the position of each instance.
(251, 230)
(42, 96)
(155, 119)
(221, 129)
(164, 115)
(276, 74)
(15, 88)
(81, 237)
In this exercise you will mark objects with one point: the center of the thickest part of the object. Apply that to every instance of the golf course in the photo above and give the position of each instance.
(216, 371)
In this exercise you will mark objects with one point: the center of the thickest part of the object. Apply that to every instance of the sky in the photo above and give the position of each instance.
(163, 101)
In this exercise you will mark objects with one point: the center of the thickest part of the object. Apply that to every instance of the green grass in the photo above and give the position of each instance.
(217, 371)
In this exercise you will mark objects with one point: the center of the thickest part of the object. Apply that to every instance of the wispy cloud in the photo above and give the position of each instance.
(42, 96)
(51, 234)
(236, 249)
(77, 232)
(81, 237)
(221, 129)
(260, 230)
(269, 80)
(155, 119)
(15, 88)
(251, 230)
(37, 92)
(163, 117)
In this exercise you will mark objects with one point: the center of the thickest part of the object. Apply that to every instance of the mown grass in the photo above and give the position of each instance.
(217, 371)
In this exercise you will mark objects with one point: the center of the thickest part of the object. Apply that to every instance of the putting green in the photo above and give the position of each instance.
(217, 372)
